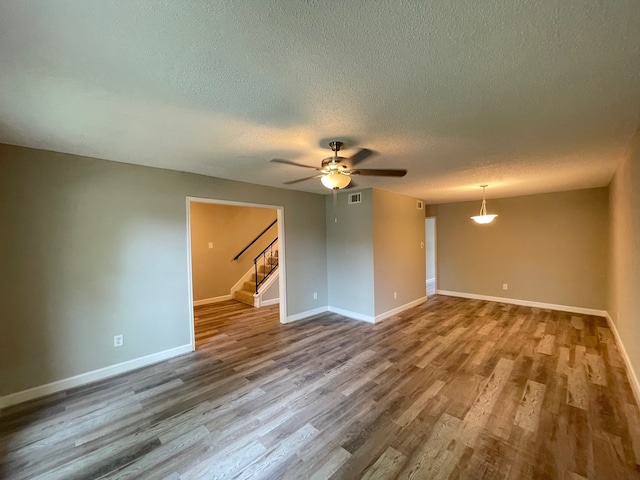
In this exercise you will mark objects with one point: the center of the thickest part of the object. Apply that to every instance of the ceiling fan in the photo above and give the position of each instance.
(336, 172)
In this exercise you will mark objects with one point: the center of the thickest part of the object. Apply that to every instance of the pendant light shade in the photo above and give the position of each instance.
(335, 180)
(483, 218)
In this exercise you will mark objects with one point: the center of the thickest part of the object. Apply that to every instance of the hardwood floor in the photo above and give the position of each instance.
(454, 388)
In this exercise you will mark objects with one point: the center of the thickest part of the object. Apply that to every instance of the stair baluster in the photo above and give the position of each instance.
(266, 272)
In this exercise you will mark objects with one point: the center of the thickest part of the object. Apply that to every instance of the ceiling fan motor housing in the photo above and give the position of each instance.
(334, 163)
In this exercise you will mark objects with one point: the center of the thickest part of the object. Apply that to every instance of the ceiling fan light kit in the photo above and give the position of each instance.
(336, 172)
(335, 180)
(483, 218)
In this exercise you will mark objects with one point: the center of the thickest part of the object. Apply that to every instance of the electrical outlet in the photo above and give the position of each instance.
(505, 286)
(315, 295)
(210, 244)
(395, 295)
(118, 340)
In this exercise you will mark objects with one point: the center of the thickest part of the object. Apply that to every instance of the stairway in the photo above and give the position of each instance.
(247, 293)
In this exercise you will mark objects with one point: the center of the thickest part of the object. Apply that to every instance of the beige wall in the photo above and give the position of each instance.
(624, 279)
(398, 250)
(229, 229)
(373, 250)
(350, 253)
(92, 248)
(549, 248)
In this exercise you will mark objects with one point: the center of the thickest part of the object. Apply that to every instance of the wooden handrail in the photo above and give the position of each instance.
(254, 240)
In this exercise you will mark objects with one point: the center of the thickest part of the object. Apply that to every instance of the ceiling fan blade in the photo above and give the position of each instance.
(302, 179)
(363, 154)
(287, 162)
(380, 173)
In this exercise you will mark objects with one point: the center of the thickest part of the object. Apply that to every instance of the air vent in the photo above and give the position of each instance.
(355, 198)
(419, 204)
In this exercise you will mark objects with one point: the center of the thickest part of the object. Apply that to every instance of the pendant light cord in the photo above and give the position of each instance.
(483, 208)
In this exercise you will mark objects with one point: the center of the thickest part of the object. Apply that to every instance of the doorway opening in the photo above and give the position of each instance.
(430, 255)
(236, 261)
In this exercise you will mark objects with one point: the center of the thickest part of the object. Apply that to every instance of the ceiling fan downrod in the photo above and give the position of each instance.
(335, 147)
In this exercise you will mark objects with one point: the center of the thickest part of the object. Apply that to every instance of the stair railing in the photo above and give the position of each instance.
(254, 240)
(269, 262)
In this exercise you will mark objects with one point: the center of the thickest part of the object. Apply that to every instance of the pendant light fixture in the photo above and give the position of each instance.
(483, 218)
(335, 180)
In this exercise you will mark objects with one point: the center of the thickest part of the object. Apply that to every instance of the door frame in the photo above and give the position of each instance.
(281, 256)
(435, 249)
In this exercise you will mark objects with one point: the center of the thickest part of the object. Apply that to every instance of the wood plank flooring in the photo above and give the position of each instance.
(454, 388)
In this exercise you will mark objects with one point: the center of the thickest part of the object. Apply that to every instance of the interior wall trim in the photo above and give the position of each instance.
(266, 303)
(400, 309)
(525, 303)
(353, 315)
(207, 301)
(631, 374)
(308, 313)
(92, 376)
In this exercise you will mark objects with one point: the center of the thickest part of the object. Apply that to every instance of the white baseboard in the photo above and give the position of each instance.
(266, 303)
(402, 308)
(525, 303)
(92, 376)
(207, 301)
(308, 313)
(631, 374)
(353, 315)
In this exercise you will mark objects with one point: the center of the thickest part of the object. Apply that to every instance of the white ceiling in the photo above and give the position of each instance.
(526, 96)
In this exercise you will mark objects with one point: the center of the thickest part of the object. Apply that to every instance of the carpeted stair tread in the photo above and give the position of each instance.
(246, 295)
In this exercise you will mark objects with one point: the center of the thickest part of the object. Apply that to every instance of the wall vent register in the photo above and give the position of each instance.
(355, 198)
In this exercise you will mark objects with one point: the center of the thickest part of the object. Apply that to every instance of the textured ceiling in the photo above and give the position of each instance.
(526, 96)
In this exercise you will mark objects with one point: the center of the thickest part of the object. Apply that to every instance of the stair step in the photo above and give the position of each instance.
(244, 297)
(249, 286)
(273, 258)
(251, 283)
(265, 268)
